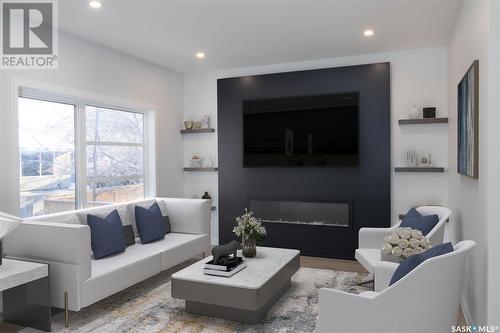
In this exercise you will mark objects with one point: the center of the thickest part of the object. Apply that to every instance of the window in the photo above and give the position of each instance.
(54, 132)
(115, 155)
(47, 157)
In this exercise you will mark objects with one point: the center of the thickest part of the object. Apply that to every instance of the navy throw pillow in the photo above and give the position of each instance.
(410, 263)
(106, 235)
(150, 223)
(423, 223)
(412, 213)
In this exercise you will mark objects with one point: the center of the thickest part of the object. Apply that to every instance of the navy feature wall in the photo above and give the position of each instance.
(366, 185)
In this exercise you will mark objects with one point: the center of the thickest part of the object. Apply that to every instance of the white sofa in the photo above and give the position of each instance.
(63, 241)
(371, 240)
(425, 300)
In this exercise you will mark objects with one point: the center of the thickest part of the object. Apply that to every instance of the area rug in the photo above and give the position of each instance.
(149, 307)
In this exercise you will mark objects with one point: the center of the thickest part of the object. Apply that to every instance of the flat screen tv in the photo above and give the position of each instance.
(301, 131)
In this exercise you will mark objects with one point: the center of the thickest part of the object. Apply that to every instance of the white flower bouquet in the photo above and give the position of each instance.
(401, 243)
(251, 231)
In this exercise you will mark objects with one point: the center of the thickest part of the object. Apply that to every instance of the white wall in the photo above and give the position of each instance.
(417, 77)
(494, 234)
(469, 198)
(91, 68)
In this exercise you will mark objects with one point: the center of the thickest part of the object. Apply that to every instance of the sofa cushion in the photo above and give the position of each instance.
(410, 263)
(140, 261)
(150, 223)
(106, 235)
(423, 223)
(70, 217)
(168, 227)
(103, 211)
(144, 204)
(128, 234)
(175, 248)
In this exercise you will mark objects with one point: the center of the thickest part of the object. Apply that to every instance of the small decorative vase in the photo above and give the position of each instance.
(414, 113)
(249, 247)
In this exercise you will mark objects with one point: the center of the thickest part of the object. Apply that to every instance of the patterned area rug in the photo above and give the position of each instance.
(149, 307)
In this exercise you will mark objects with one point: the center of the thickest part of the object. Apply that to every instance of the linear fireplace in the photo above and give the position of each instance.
(325, 213)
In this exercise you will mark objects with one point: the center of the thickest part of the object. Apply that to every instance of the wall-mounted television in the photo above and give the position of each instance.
(301, 131)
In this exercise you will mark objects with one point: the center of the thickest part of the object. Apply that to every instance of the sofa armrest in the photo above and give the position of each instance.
(191, 216)
(51, 242)
(383, 274)
(340, 312)
(372, 238)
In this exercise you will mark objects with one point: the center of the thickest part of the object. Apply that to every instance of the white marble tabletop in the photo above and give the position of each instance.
(260, 269)
(14, 273)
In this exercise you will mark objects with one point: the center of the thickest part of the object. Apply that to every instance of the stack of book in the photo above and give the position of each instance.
(226, 268)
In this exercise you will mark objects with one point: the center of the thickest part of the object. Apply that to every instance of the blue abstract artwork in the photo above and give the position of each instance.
(468, 123)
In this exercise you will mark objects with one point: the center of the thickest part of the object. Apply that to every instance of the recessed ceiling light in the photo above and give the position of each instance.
(95, 4)
(200, 55)
(368, 33)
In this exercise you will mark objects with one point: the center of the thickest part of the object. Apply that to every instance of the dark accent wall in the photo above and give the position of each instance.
(367, 185)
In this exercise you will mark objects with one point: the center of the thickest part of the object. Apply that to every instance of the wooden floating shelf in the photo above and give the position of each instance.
(423, 121)
(200, 169)
(200, 130)
(418, 169)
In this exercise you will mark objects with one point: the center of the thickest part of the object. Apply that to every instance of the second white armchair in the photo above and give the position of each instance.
(372, 239)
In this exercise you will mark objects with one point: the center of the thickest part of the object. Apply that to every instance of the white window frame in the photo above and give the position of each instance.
(116, 144)
(51, 93)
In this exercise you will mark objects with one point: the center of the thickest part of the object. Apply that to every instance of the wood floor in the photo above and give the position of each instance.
(349, 266)
(333, 264)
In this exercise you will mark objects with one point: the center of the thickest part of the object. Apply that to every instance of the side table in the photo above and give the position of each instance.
(26, 293)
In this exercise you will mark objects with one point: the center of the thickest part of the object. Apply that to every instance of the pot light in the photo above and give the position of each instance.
(95, 4)
(200, 55)
(368, 32)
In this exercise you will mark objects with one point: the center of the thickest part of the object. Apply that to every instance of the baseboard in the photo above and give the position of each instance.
(466, 311)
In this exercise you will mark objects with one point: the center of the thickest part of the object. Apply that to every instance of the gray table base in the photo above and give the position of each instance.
(232, 302)
(28, 305)
(247, 316)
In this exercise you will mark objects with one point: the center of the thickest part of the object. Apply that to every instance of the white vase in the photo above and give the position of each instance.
(414, 113)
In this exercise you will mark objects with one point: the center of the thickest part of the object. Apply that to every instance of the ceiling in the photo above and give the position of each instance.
(237, 34)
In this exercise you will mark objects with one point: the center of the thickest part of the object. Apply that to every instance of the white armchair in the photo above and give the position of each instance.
(372, 239)
(383, 311)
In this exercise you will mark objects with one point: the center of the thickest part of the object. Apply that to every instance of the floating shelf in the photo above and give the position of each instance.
(418, 169)
(423, 121)
(200, 130)
(200, 169)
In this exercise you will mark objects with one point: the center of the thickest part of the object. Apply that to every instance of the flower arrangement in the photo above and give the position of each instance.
(250, 229)
(401, 243)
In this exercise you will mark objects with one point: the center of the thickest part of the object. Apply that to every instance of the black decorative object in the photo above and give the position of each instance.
(429, 112)
(206, 196)
(221, 252)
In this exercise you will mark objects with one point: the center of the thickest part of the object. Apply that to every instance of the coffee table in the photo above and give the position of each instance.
(247, 295)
